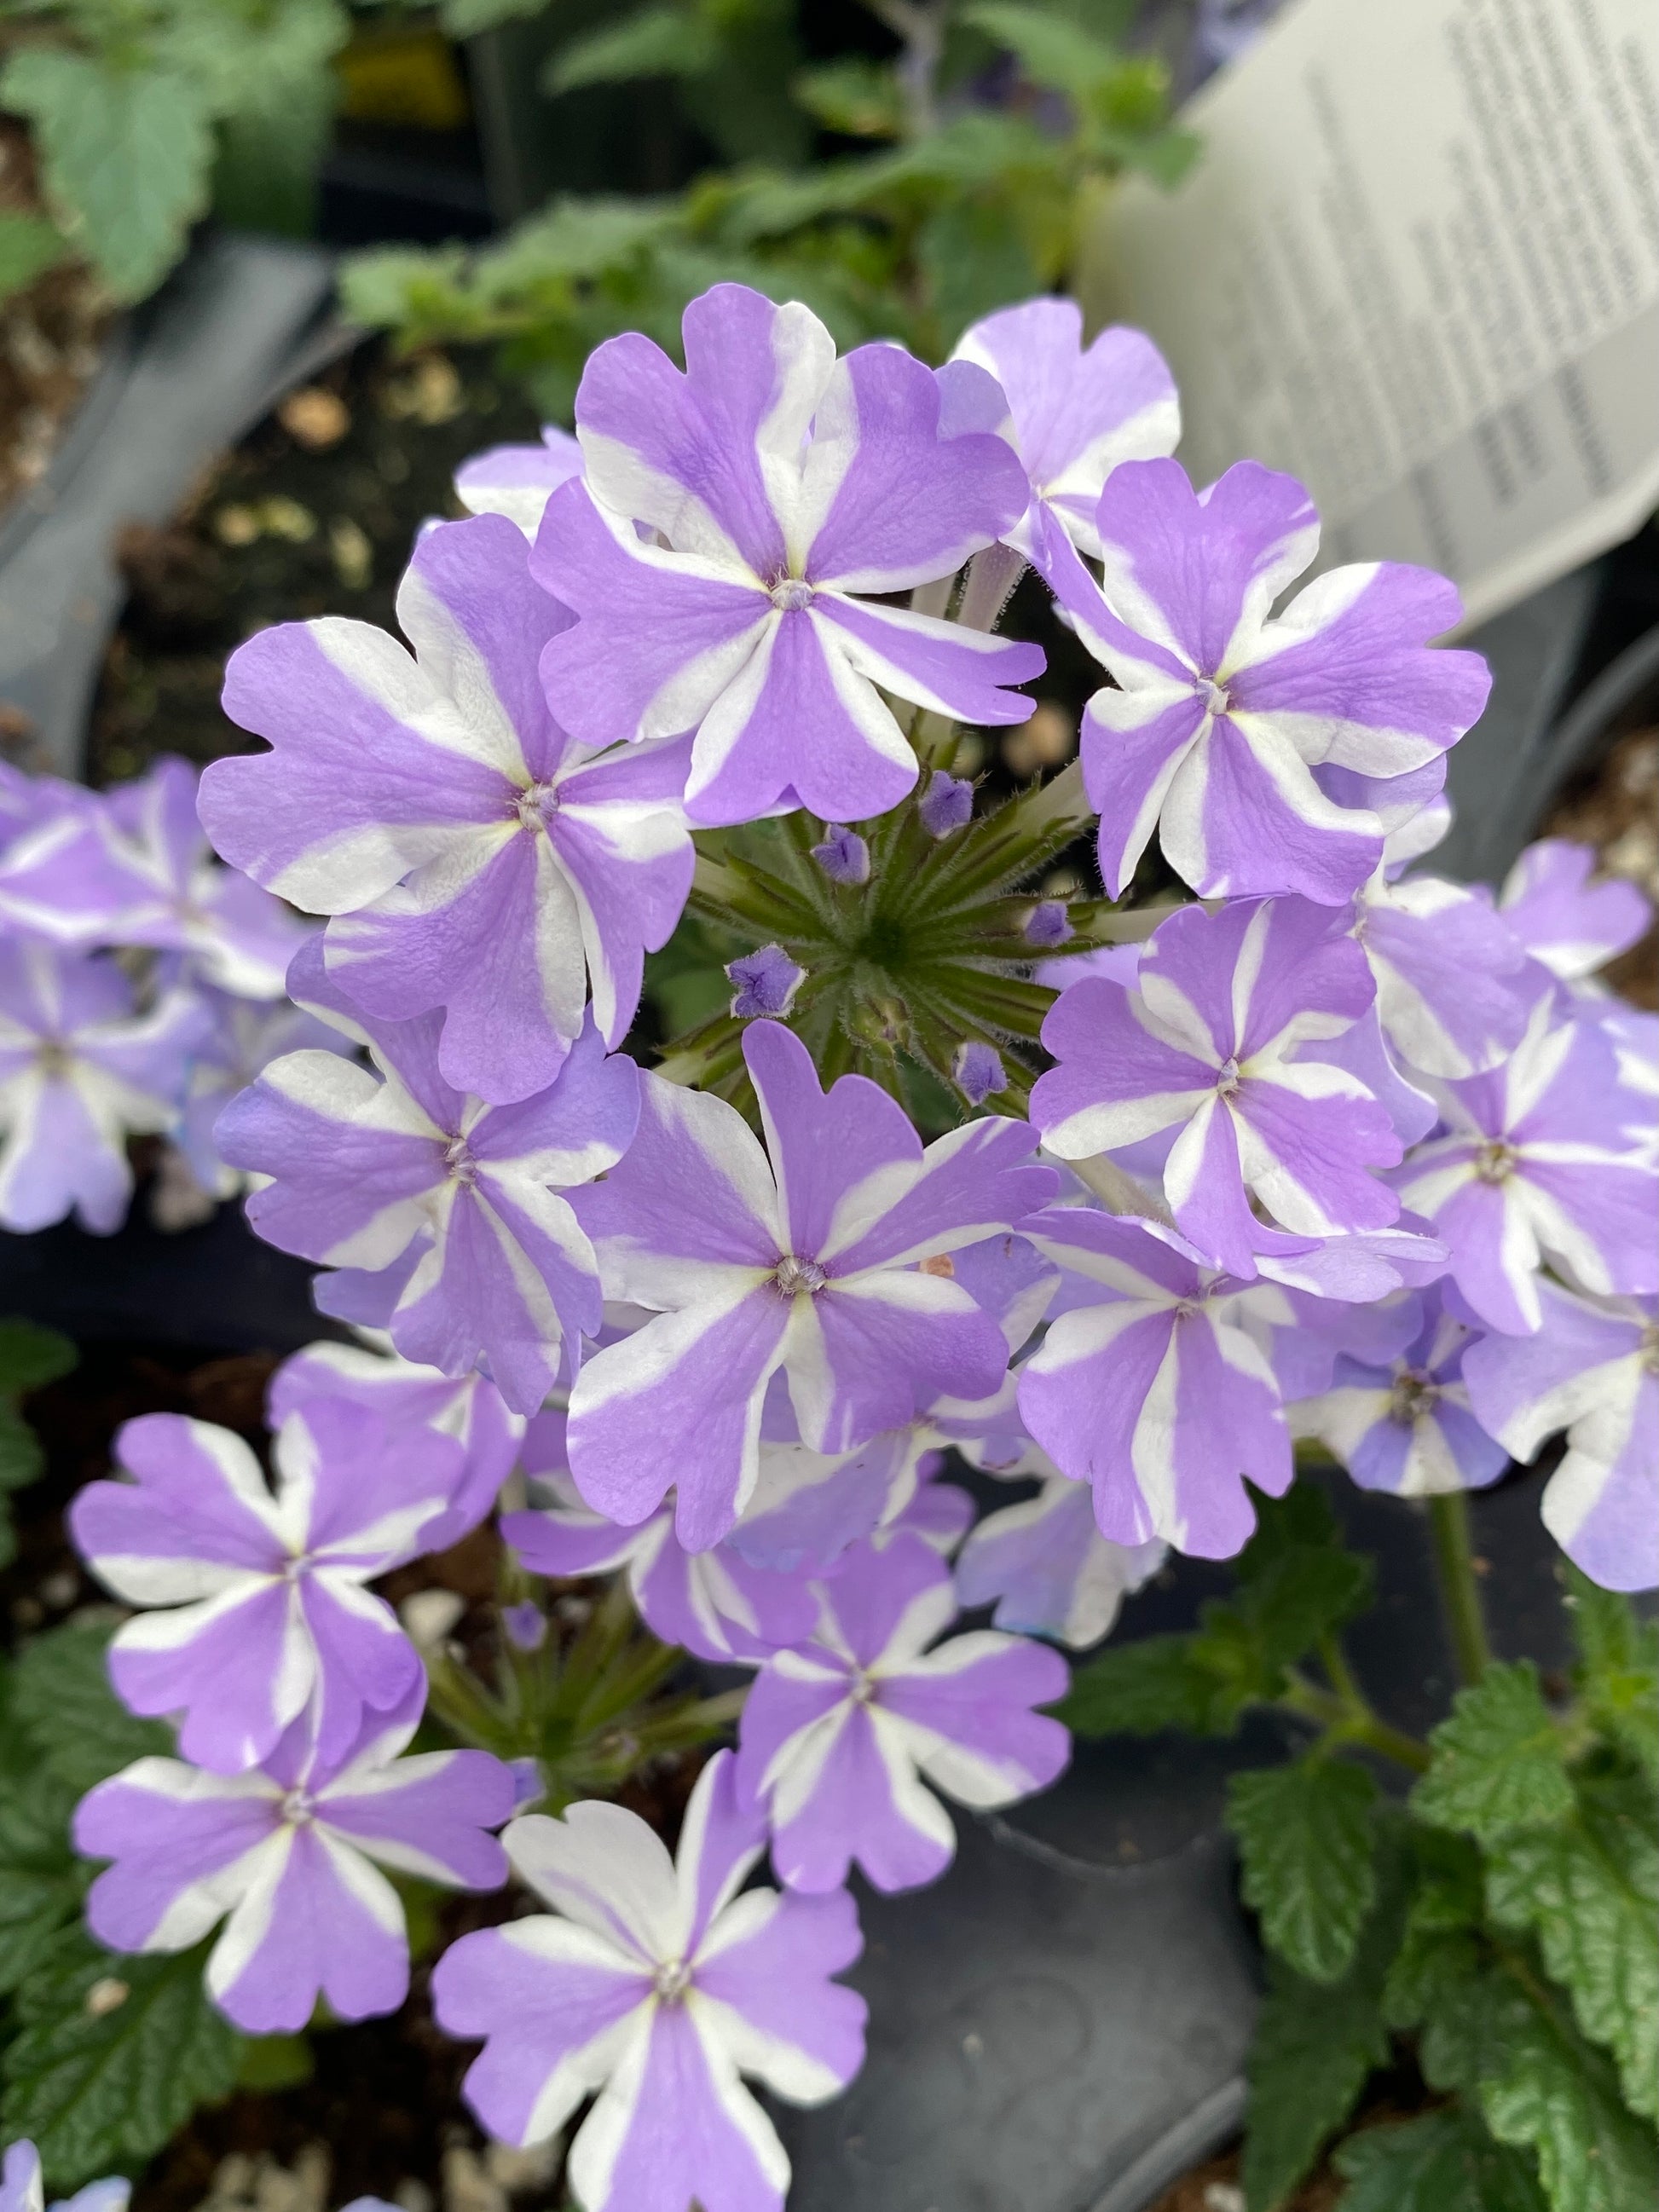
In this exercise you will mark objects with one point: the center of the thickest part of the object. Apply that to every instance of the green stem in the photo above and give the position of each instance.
(1344, 1717)
(1460, 1587)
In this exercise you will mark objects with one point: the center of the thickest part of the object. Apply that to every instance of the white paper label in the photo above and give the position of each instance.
(1417, 266)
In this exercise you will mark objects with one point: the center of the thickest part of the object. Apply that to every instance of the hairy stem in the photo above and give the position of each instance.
(1460, 1587)
(921, 25)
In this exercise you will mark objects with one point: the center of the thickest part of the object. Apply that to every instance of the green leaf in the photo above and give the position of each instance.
(1307, 1838)
(659, 42)
(276, 2061)
(1556, 2096)
(41, 1881)
(1315, 2044)
(30, 1355)
(1491, 2029)
(1590, 1892)
(28, 246)
(102, 2088)
(1443, 2161)
(973, 259)
(1498, 1761)
(1139, 1689)
(126, 153)
(854, 96)
(1619, 1669)
(1059, 55)
(61, 1695)
(465, 18)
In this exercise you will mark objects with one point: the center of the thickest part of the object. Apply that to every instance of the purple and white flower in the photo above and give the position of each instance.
(654, 1983)
(1452, 987)
(721, 544)
(132, 868)
(81, 1071)
(1568, 923)
(289, 1856)
(1261, 750)
(445, 1212)
(714, 1602)
(23, 2187)
(841, 1735)
(1046, 1566)
(261, 1612)
(1536, 1162)
(1592, 1369)
(807, 1508)
(245, 1035)
(473, 856)
(1147, 1389)
(469, 1408)
(1217, 1038)
(518, 481)
(1070, 412)
(805, 1261)
(1406, 1427)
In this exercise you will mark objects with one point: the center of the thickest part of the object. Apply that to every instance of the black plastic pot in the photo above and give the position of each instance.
(1061, 2024)
(186, 374)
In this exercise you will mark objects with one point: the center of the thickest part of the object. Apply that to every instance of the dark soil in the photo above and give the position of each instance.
(1614, 807)
(314, 512)
(51, 337)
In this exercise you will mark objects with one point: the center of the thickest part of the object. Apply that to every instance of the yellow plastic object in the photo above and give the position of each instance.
(409, 78)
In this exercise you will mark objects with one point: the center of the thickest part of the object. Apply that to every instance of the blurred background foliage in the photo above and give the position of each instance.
(903, 166)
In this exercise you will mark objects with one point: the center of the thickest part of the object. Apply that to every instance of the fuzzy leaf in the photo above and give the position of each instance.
(1060, 55)
(658, 42)
(1590, 1892)
(854, 96)
(1139, 1689)
(1618, 1667)
(101, 2088)
(1443, 2161)
(1560, 2097)
(127, 151)
(1307, 1840)
(28, 246)
(1315, 2044)
(61, 1695)
(31, 1356)
(41, 1881)
(1497, 1761)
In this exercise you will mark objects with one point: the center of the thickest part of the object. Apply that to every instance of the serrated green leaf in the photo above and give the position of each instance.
(1498, 1761)
(30, 1355)
(1443, 2161)
(28, 246)
(1589, 1892)
(127, 153)
(61, 1695)
(99, 2089)
(41, 1881)
(1618, 1667)
(1307, 1842)
(1560, 2097)
(1315, 2045)
(658, 42)
(1138, 1688)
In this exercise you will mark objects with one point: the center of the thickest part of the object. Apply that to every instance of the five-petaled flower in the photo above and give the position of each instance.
(720, 546)
(838, 1734)
(656, 1983)
(259, 1612)
(802, 1256)
(288, 1854)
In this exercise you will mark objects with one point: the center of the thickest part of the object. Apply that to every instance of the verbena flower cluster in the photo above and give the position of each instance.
(141, 987)
(1338, 1151)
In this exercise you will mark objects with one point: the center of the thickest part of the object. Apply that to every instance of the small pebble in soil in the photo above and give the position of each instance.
(1048, 738)
(314, 418)
(106, 1995)
(353, 554)
(429, 1616)
(1224, 2196)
